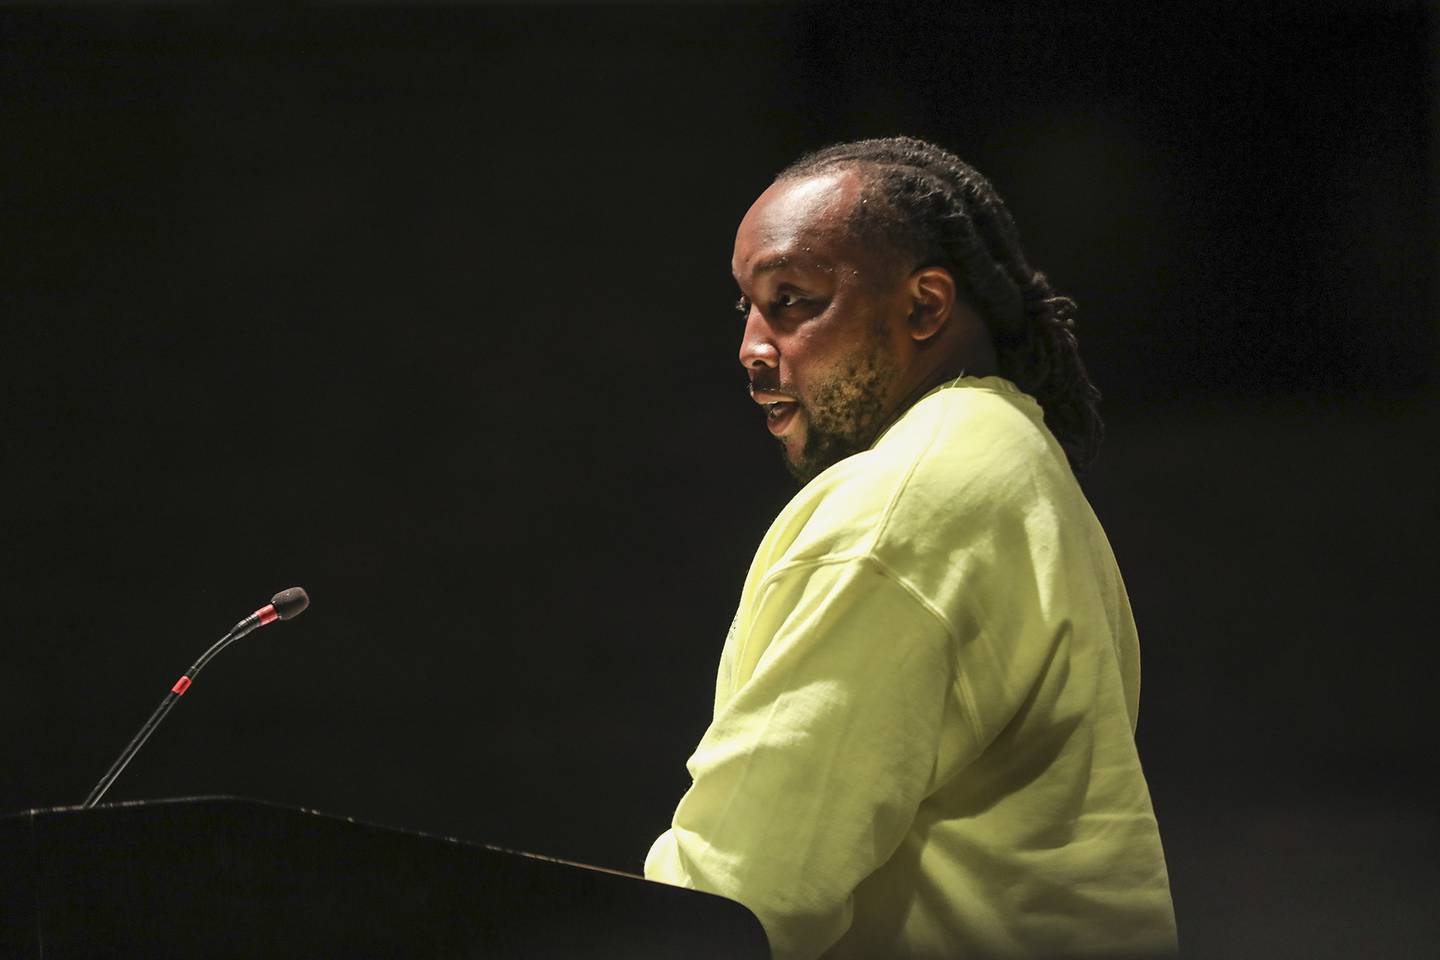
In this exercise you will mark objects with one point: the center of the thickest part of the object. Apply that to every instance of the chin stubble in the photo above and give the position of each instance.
(844, 413)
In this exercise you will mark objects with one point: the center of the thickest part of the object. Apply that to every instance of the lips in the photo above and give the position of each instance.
(779, 415)
(780, 409)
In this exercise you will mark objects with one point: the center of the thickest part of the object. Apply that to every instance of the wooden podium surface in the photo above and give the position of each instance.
(226, 877)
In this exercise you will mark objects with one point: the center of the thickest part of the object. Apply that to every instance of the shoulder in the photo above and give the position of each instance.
(973, 448)
(977, 444)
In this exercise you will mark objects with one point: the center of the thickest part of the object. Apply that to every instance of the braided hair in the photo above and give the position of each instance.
(933, 209)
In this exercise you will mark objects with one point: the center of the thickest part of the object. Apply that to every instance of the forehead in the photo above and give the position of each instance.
(798, 222)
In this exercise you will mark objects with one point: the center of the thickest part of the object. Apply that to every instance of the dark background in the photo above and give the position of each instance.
(428, 310)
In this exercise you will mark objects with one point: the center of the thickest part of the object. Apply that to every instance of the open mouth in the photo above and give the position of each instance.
(779, 414)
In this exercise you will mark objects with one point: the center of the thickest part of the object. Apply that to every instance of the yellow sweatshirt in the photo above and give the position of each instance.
(923, 740)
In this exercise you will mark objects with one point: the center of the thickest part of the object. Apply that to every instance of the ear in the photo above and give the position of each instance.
(932, 296)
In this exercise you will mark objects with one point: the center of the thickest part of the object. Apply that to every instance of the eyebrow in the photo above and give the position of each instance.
(772, 263)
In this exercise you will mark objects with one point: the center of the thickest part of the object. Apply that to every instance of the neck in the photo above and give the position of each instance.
(979, 361)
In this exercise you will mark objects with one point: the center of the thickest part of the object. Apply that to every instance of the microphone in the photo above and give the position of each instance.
(285, 605)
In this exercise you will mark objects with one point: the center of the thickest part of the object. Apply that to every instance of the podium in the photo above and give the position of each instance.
(227, 877)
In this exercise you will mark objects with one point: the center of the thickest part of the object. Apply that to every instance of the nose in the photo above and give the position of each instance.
(757, 346)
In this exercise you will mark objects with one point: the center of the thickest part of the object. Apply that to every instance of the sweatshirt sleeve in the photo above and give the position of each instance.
(810, 774)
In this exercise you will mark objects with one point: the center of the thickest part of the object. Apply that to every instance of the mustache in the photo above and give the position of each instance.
(771, 385)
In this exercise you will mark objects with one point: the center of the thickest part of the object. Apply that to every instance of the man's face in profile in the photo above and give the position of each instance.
(824, 321)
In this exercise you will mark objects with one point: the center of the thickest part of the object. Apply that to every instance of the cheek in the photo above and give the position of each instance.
(816, 354)
(816, 345)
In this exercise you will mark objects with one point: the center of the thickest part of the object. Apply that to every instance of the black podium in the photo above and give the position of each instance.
(225, 877)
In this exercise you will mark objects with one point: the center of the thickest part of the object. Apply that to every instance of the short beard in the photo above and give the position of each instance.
(844, 414)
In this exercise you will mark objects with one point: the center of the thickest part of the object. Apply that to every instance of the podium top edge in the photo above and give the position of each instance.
(241, 802)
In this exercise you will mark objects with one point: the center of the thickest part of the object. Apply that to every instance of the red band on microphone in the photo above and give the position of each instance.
(181, 686)
(267, 614)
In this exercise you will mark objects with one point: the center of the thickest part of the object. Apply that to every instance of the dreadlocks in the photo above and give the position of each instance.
(936, 210)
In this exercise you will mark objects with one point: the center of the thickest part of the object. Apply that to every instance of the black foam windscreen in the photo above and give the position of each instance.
(290, 603)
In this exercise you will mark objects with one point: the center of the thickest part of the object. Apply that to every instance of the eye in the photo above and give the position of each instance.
(783, 300)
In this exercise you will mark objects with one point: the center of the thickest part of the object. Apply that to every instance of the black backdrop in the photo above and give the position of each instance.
(428, 310)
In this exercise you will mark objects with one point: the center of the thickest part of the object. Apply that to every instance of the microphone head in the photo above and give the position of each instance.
(290, 603)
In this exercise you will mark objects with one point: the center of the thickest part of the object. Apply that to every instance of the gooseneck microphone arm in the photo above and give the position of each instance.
(283, 606)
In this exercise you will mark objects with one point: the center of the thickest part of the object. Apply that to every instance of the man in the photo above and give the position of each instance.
(923, 738)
